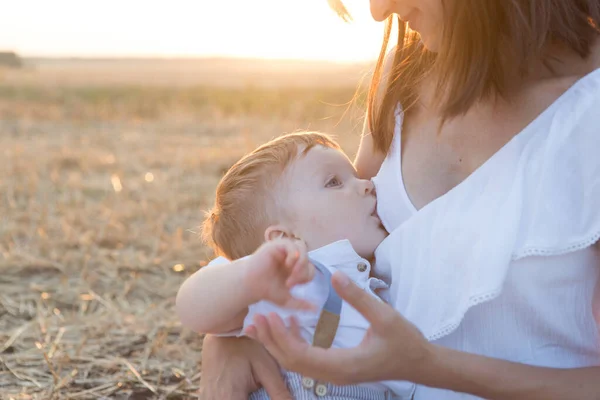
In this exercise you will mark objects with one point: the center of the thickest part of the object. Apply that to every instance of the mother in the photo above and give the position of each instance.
(488, 89)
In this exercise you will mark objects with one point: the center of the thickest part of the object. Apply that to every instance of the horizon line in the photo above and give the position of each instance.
(182, 57)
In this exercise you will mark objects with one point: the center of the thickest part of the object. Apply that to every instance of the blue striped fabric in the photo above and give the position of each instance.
(333, 304)
(350, 392)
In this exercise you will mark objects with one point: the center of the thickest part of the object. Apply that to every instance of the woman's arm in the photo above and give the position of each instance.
(232, 368)
(394, 349)
(498, 379)
(368, 160)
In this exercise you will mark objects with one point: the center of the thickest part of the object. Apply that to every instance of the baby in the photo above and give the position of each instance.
(289, 214)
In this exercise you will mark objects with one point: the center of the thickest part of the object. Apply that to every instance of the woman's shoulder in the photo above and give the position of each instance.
(562, 172)
(582, 99)
(575, 112)
(577, 119)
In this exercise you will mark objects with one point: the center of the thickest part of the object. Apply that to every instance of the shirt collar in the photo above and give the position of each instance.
(337, 254)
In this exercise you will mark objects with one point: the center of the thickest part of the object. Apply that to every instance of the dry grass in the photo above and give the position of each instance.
(101, 189)
(185, 73)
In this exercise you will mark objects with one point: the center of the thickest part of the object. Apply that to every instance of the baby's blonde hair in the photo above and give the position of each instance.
(244, 206)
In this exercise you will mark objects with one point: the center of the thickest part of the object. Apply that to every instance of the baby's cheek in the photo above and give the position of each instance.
(331, 230)
(315, 224)
(316, 227)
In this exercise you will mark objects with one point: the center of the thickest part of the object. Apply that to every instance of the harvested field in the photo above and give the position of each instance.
(104, 176)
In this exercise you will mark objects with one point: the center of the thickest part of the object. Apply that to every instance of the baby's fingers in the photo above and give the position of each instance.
(283, 298)
(292, 255)
(303, 272)
(299, 304)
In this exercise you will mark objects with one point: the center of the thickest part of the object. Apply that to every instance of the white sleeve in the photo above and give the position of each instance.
(263, 308)
(314, 291)
(217, 261)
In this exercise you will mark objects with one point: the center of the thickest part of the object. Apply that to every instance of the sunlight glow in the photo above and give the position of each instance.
(240, 28)
(149, 177)
(116, 183)
(178, 267)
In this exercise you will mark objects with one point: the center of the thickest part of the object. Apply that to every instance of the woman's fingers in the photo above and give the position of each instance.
(261, 331)
(289, 344)
(376, 312)
(250, 331)
(295, 328)
(293, 352)
(390, 340)
(233, 370)
(266, 372)
(269, 377)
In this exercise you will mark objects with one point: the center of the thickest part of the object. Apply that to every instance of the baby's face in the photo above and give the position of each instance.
(327, 202)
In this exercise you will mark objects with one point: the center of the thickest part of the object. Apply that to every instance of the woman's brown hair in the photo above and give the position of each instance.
(487, 45)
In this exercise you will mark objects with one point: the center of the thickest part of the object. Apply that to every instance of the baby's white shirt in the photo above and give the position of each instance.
(337, 256)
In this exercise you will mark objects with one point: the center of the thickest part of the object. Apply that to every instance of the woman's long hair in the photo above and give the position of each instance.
(485, 44)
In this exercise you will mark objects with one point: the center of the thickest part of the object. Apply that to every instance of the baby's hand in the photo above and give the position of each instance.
(275, 268)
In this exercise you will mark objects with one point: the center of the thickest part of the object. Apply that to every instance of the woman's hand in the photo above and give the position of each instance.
(232, 368)
(393, 349)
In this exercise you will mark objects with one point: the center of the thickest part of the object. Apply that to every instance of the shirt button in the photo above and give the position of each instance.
(308, 383)
(321, 390)
(362, 267)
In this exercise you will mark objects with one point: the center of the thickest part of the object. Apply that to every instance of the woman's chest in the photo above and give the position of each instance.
(436, 157)
(435, 160)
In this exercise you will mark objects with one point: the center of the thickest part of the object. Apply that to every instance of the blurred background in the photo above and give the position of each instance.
(116, 121)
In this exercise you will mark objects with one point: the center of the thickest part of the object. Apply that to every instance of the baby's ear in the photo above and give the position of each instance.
(276, 232)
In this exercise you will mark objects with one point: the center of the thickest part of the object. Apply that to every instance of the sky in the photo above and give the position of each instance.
(297, 29)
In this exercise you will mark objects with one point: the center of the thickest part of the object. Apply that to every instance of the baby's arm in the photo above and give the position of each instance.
(216, 298)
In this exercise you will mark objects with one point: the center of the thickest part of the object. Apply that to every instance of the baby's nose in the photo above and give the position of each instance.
(369, 187)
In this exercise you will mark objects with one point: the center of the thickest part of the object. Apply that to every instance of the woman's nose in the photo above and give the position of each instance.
(381, 9)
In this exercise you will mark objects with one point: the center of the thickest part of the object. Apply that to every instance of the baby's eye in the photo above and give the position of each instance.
(335, 181)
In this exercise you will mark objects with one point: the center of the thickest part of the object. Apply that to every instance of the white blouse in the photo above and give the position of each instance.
(503, 265)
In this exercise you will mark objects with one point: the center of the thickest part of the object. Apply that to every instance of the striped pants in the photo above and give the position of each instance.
(299, 392)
